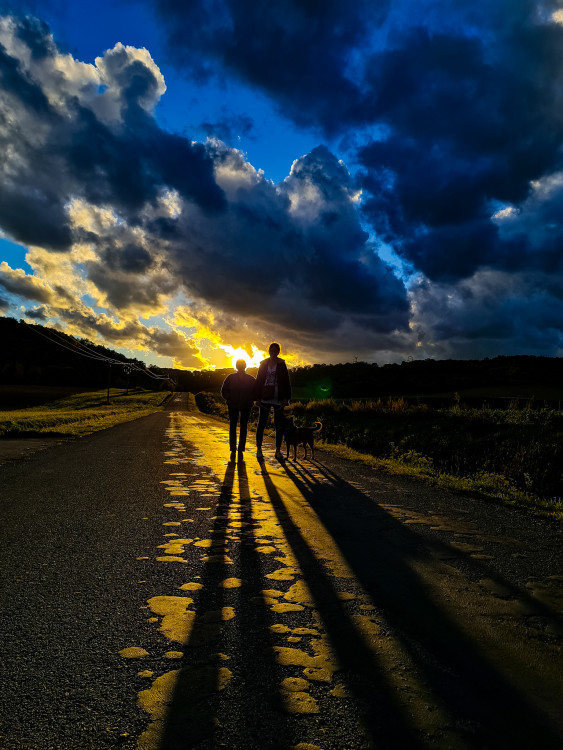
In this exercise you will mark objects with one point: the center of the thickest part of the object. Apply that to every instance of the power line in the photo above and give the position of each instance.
(65, 346)
(85, 351)
(105, 358)
(91, 352)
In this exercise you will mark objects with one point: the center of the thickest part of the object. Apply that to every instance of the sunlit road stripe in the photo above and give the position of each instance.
(319, 662)
(288, 525)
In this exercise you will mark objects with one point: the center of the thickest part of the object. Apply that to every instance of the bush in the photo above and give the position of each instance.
(523, 445)
(211, 403)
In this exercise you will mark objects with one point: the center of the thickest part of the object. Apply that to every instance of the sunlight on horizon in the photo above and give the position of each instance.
(252, 360)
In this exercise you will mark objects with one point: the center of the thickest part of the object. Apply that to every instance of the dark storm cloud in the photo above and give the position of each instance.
(130, 290)
(19, 284)
(33, 216)
(470, 126)
(37, 313)
(292, 255)
(135, 259)
(490, 314)
(466, 101)
(298, 51)
(34, 33)
(129, 168)
(30, 207)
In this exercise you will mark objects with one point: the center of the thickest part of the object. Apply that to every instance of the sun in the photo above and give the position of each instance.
(252, 360)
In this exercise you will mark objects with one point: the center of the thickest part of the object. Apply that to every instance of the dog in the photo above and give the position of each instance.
(295, 436)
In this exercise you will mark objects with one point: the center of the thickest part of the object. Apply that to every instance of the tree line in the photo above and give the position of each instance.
(37, 357)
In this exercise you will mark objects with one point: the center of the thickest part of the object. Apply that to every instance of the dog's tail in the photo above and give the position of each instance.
(318, 426)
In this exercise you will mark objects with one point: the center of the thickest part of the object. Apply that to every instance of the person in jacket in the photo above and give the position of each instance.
(272, 390)
(238, 392)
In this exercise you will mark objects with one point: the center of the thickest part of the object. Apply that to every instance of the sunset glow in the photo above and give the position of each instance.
(282, 195)
(252, 360)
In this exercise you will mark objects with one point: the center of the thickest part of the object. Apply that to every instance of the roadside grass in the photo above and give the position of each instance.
(485, 485)
(15, 397)
(81, 414)
(510, 455)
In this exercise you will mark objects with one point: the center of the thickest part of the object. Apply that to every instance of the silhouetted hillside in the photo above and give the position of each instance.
(38, 355)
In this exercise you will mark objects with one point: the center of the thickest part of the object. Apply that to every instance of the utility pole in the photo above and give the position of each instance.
(127, 369)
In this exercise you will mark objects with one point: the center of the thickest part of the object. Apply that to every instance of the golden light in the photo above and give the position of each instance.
(252, 360)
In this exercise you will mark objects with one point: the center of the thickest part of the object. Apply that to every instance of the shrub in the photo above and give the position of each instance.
(211, 403)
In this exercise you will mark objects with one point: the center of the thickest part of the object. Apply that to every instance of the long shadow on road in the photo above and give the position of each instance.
(450, 671)
(384, 717)
(485, 708)
(190, 716)
(194, 714)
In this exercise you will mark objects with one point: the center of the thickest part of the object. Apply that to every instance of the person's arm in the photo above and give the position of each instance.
(249, 384)
(258, 383)
(226, 388)
(284, 383)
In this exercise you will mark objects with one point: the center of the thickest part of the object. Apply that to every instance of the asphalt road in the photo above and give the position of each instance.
(155, 596)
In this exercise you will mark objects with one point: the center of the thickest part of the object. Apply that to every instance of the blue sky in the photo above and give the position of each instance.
(372, 180)
(87, 30)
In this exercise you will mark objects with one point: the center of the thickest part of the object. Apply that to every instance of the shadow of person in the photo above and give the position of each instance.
(191, 713)
(385, 719)
(485, 707)
(238, 655)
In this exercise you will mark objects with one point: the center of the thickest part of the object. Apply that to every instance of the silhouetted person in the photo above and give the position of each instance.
(272, 390)
(238, 392)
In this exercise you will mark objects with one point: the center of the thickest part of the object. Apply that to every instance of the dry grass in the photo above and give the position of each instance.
(81, 413)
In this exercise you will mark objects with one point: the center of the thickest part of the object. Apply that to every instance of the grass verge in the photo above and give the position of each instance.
(81, 414)
(420, 447)
(485, 485)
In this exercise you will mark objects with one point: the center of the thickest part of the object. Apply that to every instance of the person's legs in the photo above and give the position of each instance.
(262, 421)
(244, 415)
(233, 419)
(279, 424)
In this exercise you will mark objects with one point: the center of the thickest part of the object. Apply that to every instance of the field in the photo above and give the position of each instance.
(80, 413)
(513, 454)
(23, 396)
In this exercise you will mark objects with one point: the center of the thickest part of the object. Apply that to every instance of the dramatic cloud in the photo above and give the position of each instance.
(302, 53)
(447, 116)
(493, 311)
(17, 282)
(71, 130)
(294, 254)
(125, 220)
(471, 127)
(453, 112)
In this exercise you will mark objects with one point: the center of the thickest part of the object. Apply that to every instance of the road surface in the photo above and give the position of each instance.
(156, 596)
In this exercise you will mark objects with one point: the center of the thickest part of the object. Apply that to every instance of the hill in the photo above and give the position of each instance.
(34, 355)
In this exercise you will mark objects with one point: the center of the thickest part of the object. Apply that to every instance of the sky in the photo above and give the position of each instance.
(372, 180)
